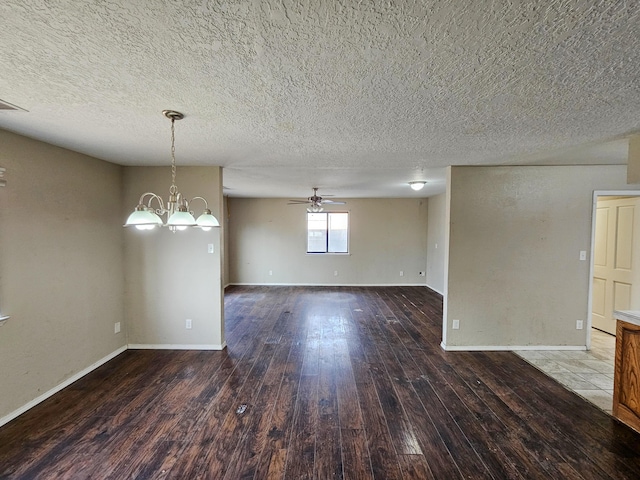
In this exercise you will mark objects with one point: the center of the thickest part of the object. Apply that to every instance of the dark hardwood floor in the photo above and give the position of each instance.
(337, 383)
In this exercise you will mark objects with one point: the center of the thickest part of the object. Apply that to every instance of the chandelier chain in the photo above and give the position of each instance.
(173, 188)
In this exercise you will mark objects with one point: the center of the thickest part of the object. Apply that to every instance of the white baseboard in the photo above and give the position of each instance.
(102, 361)
(330, 284)
(171, 346)
(435, 290)
(507, 348)
(57, 388)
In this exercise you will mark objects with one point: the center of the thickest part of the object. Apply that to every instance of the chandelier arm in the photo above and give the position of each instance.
(152, 195)
(206, 204)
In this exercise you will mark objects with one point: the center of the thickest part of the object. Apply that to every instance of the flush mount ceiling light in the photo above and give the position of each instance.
(417, 185)
(179, 217)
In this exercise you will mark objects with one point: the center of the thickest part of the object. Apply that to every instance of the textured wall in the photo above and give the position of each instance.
(386, 236)
(171, 277)
(436, 238)
(61, 266)
(514, 274)
(633, 166)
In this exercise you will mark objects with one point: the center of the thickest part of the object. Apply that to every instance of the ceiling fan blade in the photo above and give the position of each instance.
(315, 199)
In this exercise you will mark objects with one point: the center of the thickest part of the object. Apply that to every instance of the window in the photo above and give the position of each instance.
(327, 232)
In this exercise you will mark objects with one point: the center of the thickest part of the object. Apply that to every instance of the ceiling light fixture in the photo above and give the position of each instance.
(315, 208)
(417, 185)
(179, 217)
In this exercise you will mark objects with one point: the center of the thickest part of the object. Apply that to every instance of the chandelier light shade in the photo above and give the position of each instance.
(143, 218)
(176, 209)
(417, 185)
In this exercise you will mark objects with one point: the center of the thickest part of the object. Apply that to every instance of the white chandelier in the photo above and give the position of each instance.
(179, 217)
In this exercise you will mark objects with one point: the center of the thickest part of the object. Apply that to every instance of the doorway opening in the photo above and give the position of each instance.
(614, 282)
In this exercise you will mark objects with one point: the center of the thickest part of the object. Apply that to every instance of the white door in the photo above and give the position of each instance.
(612, 260)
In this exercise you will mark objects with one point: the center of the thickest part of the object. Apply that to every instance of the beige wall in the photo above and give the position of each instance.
(436, 238)
(61, 275)
(225, 257)
(514, 277)
(386, 236)
(171, 277)
(633, 167)
(635, 285)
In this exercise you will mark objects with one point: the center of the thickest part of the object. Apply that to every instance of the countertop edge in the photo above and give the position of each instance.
(629, 316)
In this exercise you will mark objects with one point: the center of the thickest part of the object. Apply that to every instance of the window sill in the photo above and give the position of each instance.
(327, 253)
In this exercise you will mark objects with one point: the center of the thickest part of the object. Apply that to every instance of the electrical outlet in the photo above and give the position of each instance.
(456, 325)
(335, 273)
(401, 273)
(579, 324)
(270, 272)
(421, 274)
(116, 327)
(187, 324)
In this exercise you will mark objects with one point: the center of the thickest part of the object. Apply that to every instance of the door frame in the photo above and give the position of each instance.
(594, 206)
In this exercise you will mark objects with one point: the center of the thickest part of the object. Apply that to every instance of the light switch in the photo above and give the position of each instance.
(583, 254)
(210, 248)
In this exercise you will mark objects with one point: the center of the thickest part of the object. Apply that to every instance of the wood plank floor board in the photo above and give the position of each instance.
(302, 443)
(384, 461)
(244, 461)
(471, 424)
(229, 427)
(414, 466)
(349, 411)
(437, 455)
(477, 436)
(470, 428)
(356, 461)
(587, 419)
(527, 430)
(328, 454)
(272, 460)
(339, 382)
(385, 375)
(562, 399)
(250, 437)
(462, 451)
(480, 422)
(437, 452)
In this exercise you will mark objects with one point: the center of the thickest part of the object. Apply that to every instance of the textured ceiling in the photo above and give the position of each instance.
(357, 97)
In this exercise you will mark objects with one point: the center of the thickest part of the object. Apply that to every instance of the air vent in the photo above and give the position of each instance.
(9, 106)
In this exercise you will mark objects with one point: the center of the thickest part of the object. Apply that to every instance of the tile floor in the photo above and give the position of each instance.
(588, 373)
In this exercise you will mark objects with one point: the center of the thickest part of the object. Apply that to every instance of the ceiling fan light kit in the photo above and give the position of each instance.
(417, 185)
(315, 201)
(179, 217)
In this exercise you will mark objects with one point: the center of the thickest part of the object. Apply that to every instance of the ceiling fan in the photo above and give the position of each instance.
(315, 201)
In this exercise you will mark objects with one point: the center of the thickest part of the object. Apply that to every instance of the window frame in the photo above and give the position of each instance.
(327, 252)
